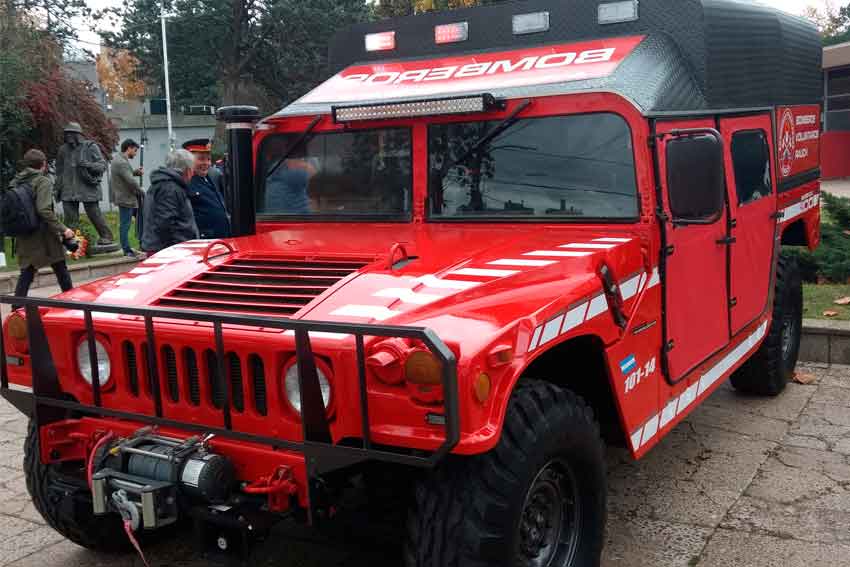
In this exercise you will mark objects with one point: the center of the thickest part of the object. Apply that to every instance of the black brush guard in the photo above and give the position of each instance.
(46, 405)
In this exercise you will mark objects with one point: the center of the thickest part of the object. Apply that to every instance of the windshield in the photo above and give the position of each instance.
(336, 174)
(574, 167)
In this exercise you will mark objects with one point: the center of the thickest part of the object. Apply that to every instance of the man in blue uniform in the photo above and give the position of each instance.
(206, 193)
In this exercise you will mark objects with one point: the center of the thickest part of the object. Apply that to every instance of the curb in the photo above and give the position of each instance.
(79, 271)
(825, 341)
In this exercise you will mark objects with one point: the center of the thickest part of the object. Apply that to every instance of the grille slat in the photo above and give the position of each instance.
(237, 395)
(131, 366)
(190, 359)
(216, 393)
(262, 285)
(258, 377)
(170, 359)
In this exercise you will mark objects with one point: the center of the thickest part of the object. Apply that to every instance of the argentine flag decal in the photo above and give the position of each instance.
(628, 364)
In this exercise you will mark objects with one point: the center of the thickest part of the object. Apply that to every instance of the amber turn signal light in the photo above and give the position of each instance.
(482, 387)
(17, 327)
(422, 367)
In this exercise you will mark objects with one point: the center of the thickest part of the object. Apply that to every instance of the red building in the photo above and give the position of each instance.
(835, 152)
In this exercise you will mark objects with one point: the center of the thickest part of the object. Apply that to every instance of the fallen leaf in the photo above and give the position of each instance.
(843, 301)
(804, 378)
(847, 232)
(830, 313)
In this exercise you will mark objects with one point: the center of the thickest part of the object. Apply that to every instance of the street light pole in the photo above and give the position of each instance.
(167, 85)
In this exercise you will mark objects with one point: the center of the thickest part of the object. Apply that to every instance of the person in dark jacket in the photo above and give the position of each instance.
(207, 193)
(44, 246)
(169, 218)
(79, 169)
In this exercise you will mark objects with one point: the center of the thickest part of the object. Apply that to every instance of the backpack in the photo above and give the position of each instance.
(18, 216)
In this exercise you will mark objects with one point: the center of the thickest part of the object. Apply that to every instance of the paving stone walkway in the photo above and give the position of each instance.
(743, 482)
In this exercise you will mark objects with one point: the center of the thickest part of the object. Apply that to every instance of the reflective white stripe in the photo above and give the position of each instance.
(478, 272)
(535, 338)
(408, 295)
(588, 246)
(655, 279)
(642, 281)
(574, 318)
(522, 263)
(613, 240)
(174, 252)
(808, 203)
(119, 294)
(558, 253)
(431, 280)
(598, 306)
(630, 287)
(677, 406)
(138, 280)
(551, 330)
(142, 270)
(376, 312)
(321, 335)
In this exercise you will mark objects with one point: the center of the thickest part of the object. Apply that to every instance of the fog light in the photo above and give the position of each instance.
(482, 387)
(423, 368)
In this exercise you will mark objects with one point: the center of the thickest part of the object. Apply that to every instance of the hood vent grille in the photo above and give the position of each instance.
(262, 286)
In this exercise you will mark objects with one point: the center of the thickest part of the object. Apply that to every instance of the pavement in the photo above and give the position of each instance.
(743, 482)
(839, 187)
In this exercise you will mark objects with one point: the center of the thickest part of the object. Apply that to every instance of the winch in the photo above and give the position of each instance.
(145, 477)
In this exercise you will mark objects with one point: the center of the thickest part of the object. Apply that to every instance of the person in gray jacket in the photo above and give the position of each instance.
(79, 169)
(169, 218)
(126, 192)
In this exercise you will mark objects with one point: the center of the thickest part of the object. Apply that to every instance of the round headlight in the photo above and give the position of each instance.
(293, 388)
(104, 367)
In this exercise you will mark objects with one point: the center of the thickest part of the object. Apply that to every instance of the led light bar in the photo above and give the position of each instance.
(534, 22)
(383, 41)
(617, 12)
(451, 33)
(432, 107)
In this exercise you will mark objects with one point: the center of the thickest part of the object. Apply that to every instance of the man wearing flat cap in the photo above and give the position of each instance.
(79, 169)
(206, 192)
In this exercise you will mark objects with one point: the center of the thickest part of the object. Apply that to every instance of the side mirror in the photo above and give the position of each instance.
(695, 177)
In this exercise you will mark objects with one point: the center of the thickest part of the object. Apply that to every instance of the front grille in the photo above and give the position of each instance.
(262, 285)
(183, 373)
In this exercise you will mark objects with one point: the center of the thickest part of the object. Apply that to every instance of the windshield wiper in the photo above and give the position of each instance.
(302, 139)
(499, 128)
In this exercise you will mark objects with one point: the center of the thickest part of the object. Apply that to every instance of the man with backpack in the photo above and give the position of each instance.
(79, 169)
(27, 213)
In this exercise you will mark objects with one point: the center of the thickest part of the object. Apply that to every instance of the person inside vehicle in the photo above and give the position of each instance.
(206, 192)
(43, 247)
(287, 185)
(126, 192)
(169, 218)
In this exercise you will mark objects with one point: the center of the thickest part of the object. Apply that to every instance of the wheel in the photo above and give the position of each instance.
(62, 497)
(536, 500)
(772, 366)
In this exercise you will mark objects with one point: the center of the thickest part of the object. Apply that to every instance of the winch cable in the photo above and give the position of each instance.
(128, 529)
(90, 464)
(128, 524)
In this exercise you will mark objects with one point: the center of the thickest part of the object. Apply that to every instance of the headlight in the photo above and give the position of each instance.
(293, 388)
(104, 368)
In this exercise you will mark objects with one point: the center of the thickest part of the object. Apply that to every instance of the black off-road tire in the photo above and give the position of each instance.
(50, 488)
(772, 366)
(473, 511)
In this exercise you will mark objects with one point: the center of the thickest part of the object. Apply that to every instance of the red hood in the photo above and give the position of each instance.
(488, 277)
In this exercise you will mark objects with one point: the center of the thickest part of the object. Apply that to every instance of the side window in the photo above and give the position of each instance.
(751, 160)
(695, 178)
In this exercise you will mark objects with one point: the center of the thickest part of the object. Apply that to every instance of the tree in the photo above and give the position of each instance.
(833, 22)
(393, 8)
(117, 71)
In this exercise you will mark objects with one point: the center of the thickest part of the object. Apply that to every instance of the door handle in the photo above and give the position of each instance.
(727, 241)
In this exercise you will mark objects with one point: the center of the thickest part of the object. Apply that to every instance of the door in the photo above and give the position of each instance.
(695, 263)
(752, 204)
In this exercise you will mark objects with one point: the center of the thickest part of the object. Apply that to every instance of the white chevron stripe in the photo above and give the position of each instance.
(479, 272)
(376, 312)
(588, 246)
(408, 295)
(558, 254)
(522, 263)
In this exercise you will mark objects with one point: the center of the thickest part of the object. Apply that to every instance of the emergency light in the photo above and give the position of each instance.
(617, 12)
(534, 22)
(451, 33)
(433, 107)
(383, 41)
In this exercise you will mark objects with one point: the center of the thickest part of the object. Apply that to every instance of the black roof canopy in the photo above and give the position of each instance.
(699, 55)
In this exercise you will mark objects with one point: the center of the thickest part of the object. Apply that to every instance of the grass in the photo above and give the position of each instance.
(820, 298)
(111, 220)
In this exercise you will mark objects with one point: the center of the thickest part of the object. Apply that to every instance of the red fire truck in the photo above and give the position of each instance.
(494, 240)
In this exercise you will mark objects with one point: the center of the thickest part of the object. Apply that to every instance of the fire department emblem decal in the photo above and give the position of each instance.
(787, 143)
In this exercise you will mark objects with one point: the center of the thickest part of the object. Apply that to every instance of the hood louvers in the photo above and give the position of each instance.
(267, 286)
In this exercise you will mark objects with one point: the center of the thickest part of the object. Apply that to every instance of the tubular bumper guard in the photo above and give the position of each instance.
(46, 405)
